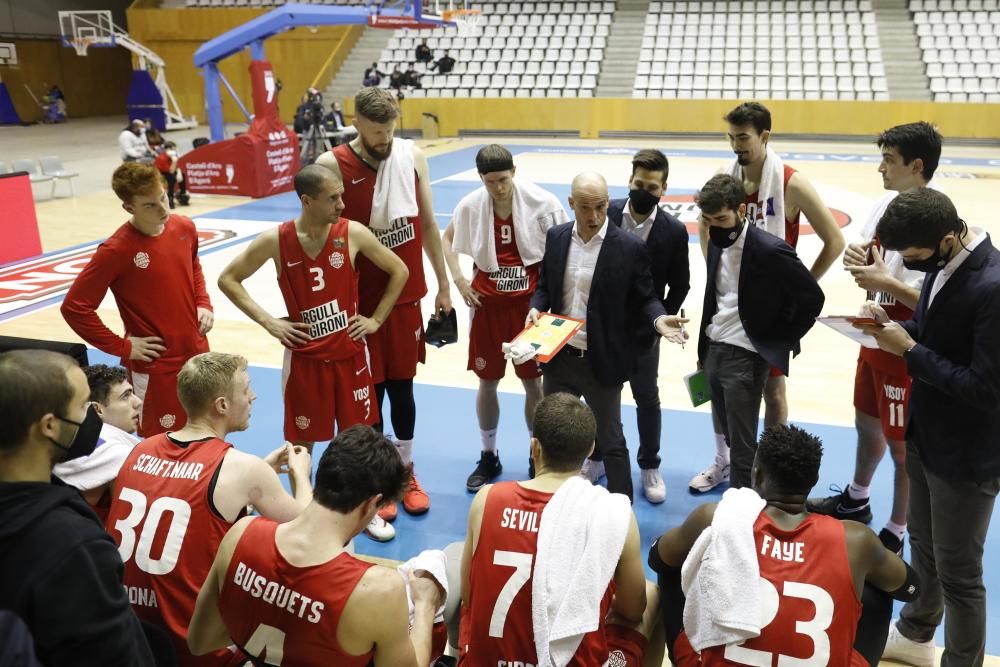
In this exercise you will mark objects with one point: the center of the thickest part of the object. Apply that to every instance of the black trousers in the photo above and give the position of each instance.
(647, 406)
(172, 186)
(572, 374)
(736, 378)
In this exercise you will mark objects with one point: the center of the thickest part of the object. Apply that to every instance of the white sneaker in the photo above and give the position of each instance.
(380, 530)
(901, 649)
(711, 477)
(592, 470)
(653, 487)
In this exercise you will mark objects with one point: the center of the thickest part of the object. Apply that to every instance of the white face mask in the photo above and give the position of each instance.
(172, 153)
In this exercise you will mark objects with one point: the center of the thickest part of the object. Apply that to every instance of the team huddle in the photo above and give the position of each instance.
(224, 566)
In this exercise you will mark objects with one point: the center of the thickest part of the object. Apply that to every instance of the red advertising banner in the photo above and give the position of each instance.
(18, 224)
(261, 162)
(394, 22)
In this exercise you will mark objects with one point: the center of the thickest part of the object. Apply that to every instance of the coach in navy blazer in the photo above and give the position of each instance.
(594, 271)
(759, 302)
(667, 242)
(952, 352)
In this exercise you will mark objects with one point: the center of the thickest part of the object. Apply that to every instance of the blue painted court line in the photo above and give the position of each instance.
(447, 446)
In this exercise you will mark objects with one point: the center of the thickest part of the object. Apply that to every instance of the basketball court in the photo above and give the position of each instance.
(447, 443)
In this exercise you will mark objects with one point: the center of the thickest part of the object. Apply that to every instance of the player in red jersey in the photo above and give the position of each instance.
(910, 155)
(813, 571)
(326, 376)
(496, 625)
(178, 493)
(118, 407)
(399, 344)
(500, 291)
(292, 594)
(749, 131)
(151, 266)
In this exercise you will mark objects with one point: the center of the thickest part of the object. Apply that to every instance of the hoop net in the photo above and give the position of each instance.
(81, 44)
(467, 20)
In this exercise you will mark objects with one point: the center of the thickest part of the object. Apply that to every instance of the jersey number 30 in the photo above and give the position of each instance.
(180, 515)
(815, 628)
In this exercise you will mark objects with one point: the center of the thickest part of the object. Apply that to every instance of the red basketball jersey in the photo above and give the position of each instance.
(513, 278)
(168, 530)
(496, 626)
(323, 292)
(807, 593)
(283, 614)
(404, 237)
(900, 312)
(758, 210)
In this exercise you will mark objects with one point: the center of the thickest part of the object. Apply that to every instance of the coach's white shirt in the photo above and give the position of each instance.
(640, 229)
(726, 326)
(952, 266)
(580, 263)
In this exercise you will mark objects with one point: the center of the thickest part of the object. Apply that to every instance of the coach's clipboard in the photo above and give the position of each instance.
(844, 324)
(549, 335)
(697, 388)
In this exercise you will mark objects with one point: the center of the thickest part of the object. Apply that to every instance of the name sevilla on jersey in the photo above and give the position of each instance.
(516, 519)
(400, 231)
(325, 319)
(510, 279)
(276, 594)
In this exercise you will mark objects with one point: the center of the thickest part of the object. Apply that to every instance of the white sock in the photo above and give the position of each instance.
(721, 449)
(896, 529)
(405, 449)
(856, 492)
(489, 440)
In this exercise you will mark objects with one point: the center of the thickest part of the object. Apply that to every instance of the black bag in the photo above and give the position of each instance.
(442, 328)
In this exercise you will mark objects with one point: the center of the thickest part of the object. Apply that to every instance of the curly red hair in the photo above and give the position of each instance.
(134, 178)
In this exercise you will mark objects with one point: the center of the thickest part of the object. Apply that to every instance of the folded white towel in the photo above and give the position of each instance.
(721, 606)
(580, 540)
(534, 210)
(395, 188)
(102, 466)
(771, 190)
(434, 563)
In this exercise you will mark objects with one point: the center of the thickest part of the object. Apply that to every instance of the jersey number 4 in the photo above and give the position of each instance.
(522, 573)
(180, 515)
(815, 628)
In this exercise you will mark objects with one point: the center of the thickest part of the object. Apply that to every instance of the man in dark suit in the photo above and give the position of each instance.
(597, 273)
(952, 352)
(666, 240)
(759, 302)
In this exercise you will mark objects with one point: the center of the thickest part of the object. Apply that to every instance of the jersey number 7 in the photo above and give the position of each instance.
(522, 573)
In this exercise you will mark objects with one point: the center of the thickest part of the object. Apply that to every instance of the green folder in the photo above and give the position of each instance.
(697, 386)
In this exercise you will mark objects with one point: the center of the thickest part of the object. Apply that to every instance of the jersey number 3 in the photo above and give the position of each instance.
(180, 515)
(815, 628)
(319, 282)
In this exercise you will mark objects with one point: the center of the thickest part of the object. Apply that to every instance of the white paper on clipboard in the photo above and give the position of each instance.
(844, 325)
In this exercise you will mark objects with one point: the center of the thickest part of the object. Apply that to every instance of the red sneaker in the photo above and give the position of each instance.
(388, 513)
(415, 500)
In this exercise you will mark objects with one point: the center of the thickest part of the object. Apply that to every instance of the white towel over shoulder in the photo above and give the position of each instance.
(721, 607)
(395, 188)
(534, 210)
(434, 563)
(771, 190)
(580, 540)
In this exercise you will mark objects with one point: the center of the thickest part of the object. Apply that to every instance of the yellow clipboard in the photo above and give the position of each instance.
(549, 335)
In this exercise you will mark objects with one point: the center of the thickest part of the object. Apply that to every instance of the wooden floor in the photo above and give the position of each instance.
(821, 381)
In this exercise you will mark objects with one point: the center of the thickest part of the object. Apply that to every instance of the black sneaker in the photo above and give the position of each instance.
(841, 506)
(891, 542)
(488, 469)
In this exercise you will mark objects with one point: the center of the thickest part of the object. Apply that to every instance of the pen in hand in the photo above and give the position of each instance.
(683, 332)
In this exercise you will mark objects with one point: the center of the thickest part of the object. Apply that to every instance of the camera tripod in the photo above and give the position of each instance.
(314, 143)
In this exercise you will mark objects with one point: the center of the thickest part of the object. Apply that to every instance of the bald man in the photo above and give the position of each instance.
(597, 273)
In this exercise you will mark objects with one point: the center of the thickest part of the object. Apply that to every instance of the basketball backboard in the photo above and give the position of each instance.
(83, 29)
(8, 53)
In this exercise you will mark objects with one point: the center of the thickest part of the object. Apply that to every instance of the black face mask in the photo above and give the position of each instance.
(87, 434)
(642, 201)
(935, 262)
(723, 237)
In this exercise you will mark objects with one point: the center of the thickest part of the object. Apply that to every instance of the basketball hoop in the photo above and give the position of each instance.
(81, 44)
(467, 20)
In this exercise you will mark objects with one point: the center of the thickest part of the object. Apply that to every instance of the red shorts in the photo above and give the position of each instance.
(398, 344)
(775, 373)
(161, 410)
(319, 392)
(883, 395)
(498, 321)
(626, 647)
